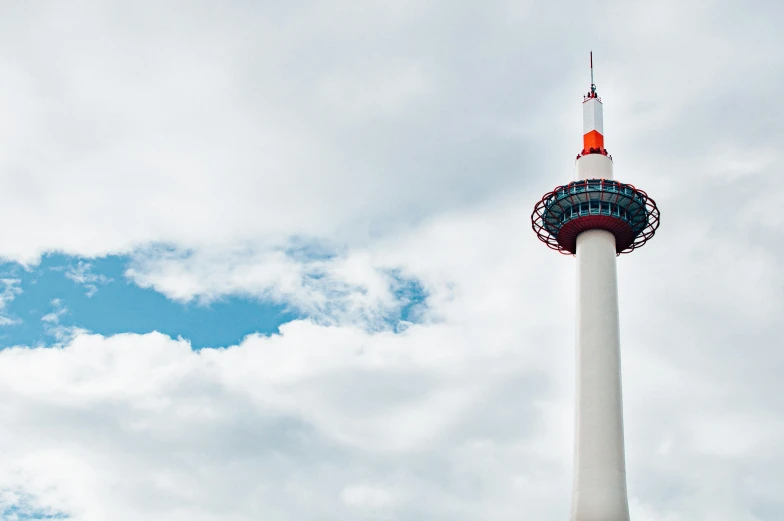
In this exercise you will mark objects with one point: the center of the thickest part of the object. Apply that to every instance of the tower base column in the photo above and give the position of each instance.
(599, 488)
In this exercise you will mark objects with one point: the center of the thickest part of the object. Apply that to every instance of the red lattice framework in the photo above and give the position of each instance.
(595, 204)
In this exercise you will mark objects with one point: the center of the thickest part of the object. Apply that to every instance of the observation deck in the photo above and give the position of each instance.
(595, 204)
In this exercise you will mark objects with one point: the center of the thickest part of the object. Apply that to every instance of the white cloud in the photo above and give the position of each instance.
(10, 290)
(52, 326)
(364, 496)
(143, 426)
(332, 289)
(82, 274)
(59, 310)
(200, 127)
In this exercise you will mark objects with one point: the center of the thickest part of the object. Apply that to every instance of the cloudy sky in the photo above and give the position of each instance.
(273, 260)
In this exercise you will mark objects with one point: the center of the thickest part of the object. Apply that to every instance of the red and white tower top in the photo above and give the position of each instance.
(593, 120)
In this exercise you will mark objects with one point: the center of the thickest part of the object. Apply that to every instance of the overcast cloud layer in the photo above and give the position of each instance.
(330, 156)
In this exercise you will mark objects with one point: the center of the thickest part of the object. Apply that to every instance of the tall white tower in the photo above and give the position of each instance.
(596, 218)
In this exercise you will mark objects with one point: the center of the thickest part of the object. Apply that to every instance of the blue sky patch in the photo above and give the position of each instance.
(47, 301)
(17, 507)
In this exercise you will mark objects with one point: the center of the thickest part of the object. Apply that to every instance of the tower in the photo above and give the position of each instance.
(596, 218)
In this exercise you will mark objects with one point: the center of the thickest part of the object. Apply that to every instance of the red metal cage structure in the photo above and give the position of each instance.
(595, 204)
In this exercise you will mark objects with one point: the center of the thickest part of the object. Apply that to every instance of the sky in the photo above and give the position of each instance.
(273, 260)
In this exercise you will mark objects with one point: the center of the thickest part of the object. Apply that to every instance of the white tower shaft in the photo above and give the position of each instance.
(596, 218)
(599, 488)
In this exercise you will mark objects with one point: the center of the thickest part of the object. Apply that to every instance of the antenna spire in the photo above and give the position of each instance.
(593, 85)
